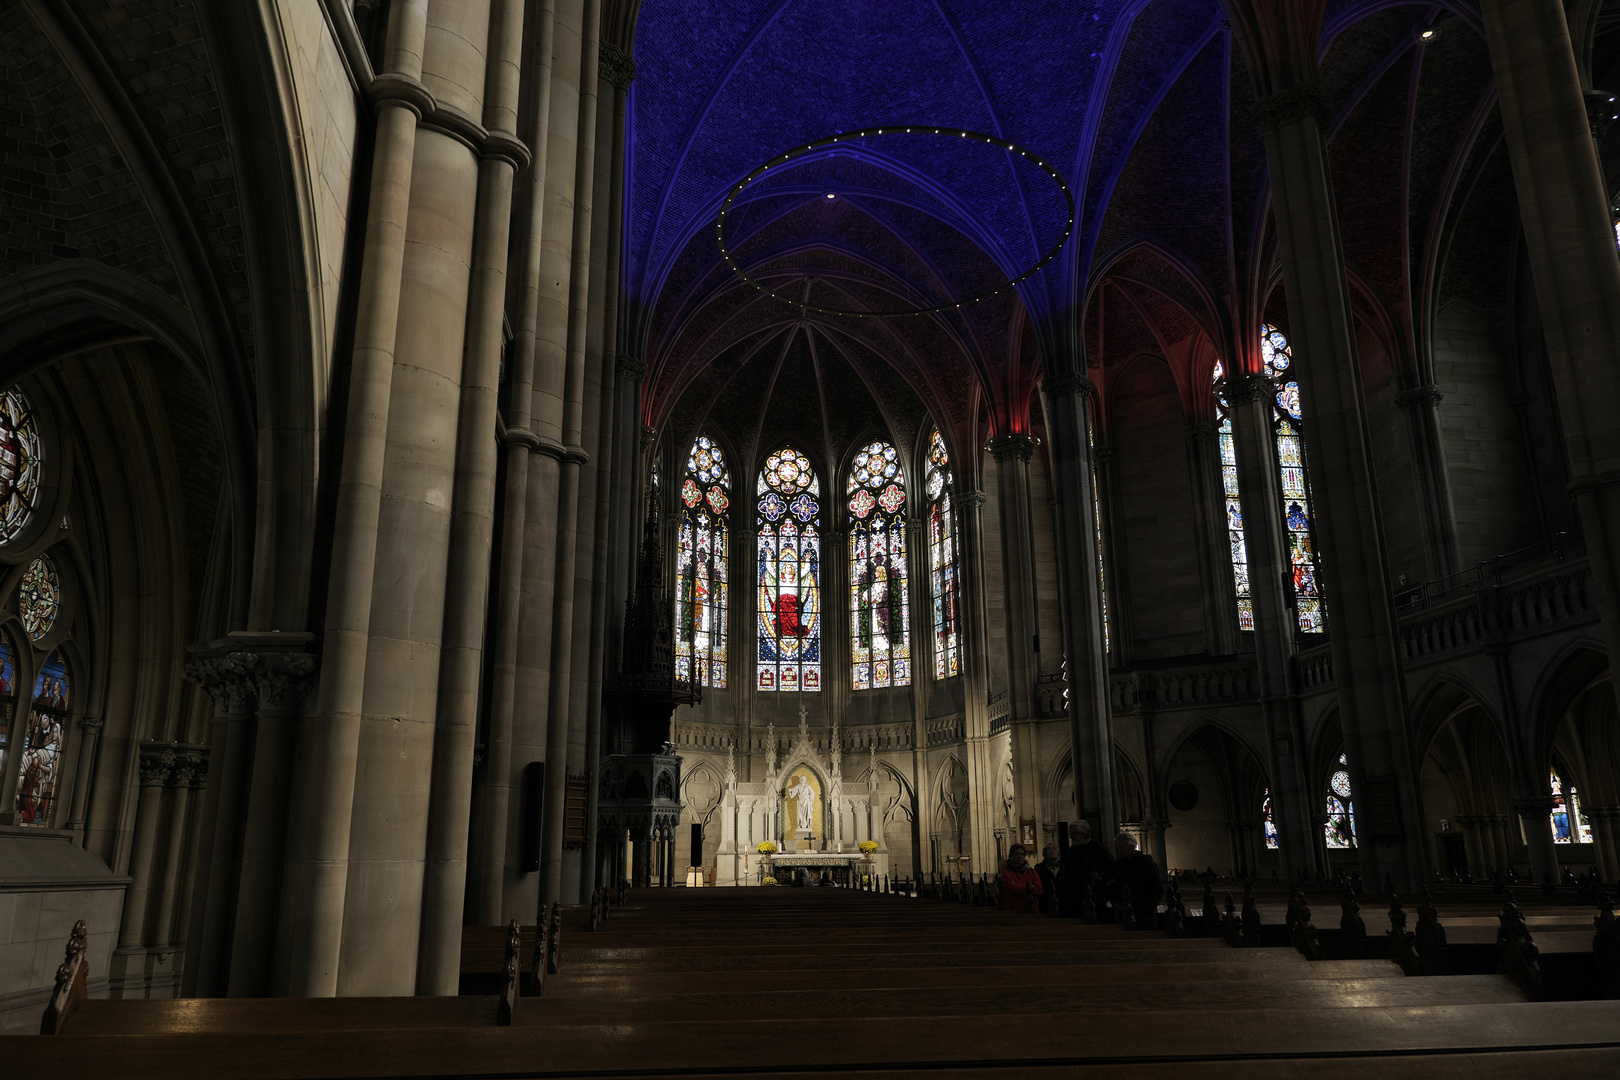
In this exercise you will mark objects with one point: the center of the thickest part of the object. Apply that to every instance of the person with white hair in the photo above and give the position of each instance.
(1135, 869)
(1084, 858)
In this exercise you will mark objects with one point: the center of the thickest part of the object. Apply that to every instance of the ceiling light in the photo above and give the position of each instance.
(1429, 33)
(832, 195)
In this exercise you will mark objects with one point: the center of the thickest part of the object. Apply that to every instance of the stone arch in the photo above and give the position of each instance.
(1213, 782)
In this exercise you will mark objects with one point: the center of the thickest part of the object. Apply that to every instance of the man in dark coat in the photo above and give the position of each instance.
(1135, 869)
(1051, 871)
(1086, 856)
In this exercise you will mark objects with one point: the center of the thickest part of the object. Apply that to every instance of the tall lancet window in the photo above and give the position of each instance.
(1234, 504)
(942, 564)
(1340, 828)
(880, 644)
(701, 602)
(1298, 520)
(789, 524)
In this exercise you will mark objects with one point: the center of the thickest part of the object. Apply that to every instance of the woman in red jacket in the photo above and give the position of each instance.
(1020, 883)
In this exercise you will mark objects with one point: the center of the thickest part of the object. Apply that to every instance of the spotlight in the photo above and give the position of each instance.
(1428, 33)
(830, 196)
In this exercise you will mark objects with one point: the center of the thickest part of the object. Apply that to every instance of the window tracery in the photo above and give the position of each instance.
(39, 597)
(942, 564)
(22, 456)
(701, 563)
(1299, 522)
(1340, 829)
(789, 611)
(879, 592)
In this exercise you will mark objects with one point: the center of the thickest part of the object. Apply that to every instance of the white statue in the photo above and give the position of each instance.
(806, 801)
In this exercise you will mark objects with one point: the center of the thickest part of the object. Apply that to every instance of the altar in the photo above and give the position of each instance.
(845, 866)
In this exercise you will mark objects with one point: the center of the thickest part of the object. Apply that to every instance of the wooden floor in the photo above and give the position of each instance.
(807, 982)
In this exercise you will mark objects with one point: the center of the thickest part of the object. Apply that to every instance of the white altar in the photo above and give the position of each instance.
(804, 809)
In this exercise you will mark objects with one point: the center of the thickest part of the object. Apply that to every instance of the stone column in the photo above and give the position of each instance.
(1503, 841)
(228, 681)
(156, 761)
(187, 761)
(568, 212)
(975, 674)
(281, 679)
(487, 901)
(1091, 718)
(1212, 549)
(1279, 45)
(1535, 817)
(91, 727)
(310, 929)
(1012, 454)
(1569, 238)
(1249, 401)
(1421, 404)
(501, 155)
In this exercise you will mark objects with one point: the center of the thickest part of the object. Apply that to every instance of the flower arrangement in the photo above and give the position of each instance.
(768, 881)
(868, 846)
(767, 848)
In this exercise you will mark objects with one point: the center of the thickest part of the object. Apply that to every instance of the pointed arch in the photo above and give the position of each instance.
(702, 560)
(788, 523)
(879, 587)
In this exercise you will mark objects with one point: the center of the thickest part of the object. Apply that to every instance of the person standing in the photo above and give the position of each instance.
(1050, 869)
(1136, 870)
(1020, 884)
(1085, 857)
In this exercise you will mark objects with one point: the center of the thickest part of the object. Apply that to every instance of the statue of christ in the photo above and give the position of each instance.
(805, 801)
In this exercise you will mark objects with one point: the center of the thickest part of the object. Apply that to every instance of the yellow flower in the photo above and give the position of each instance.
(868, 846)
(767, 848)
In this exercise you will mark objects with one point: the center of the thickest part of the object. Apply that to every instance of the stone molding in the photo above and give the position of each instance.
(649, 435)
(1428, 395)
(1068, 383)
(92, 725)
(392, 88)
(616, 66)
(1533, 808)
(1287, 106)
(1004, 446)
(505, 146)
(630, 367)
(518, 436)
(574, 455)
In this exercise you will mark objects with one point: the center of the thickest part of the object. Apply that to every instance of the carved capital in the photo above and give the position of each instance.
(1250, 389)
(1102, 453)
(970, 499)
(1602, 110)
(282, 681)
(1533, 808)
(187, 763)
(229, 679)
(649, 435)
(630, 367)
(1068, 383)
(1428, 395)
(1003, 447)
(1199, 431)
(155, 763)
(92, 725)
(1289, 105)
(616, 66)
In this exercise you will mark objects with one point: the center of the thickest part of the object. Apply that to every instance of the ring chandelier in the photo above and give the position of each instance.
(800, 151)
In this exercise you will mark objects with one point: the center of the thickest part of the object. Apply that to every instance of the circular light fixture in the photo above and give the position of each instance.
(1052, 252)
(1429, 33)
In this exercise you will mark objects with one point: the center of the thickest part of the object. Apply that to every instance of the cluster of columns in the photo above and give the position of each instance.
(491, 238)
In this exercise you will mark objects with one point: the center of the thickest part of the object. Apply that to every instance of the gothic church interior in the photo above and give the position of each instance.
(459, 454)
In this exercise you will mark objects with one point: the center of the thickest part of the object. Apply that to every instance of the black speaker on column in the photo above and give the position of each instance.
(534, 800)
(697, 844)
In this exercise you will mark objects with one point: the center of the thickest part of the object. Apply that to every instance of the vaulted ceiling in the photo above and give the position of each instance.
(1144, 108)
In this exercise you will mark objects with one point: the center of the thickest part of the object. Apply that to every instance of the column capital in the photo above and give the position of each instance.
(1248, 389)
(1003, 447)
(188, 761)
(1532, 808)
(1428, 396)
(228, 679)
(1067, 383)
(155, 763)
(971, 498)
(395, 88)
(616, 66)
(282, 681)
(1199, 431)
(649, 435)
(630, 367)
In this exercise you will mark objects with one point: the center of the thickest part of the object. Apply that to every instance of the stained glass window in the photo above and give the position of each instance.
(1340, 829)
(1298, 520)
(701, 601)
(8, 696)
(1271, 827)
(879, 596)
(21, 460)
(1569, 823)
(942, 562)
(39, 597)
(1234, 505)
(789, 525)
(42, 744)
